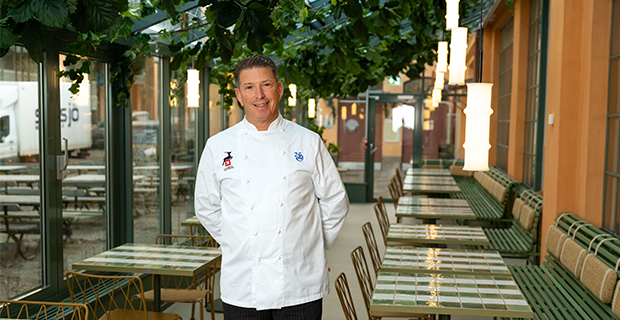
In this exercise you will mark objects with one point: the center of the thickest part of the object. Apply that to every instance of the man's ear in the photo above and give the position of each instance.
(280, 89)
(238, 94)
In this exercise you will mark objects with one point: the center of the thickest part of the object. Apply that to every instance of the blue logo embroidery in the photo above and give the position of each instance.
(299, 157)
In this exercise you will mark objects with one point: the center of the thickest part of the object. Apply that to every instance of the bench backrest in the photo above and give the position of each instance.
(590, 254)
(501, 186)
(526, 211)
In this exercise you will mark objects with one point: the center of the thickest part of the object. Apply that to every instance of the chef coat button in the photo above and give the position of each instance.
(247, 180)
(258, 260)
(246, 133)
(281, 130)
(251, 207)
(283, 152)
(255, 233)
(245, 156)
(279, 231)
(280, 258)
(283, 177)
(281, 204)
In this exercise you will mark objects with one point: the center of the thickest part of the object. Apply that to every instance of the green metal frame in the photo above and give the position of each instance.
(504, 109)
(611, 115)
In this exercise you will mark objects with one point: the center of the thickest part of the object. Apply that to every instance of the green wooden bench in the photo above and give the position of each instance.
(521, 239)
(489, 194)
(579, 279)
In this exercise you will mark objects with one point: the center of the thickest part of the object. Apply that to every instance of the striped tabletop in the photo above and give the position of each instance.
(428, 172)
(428, 212)
(152, 259)
(431, 188)
(445, 261)
(448, 294)
(401, 234)
(430, 180)
(434, 202)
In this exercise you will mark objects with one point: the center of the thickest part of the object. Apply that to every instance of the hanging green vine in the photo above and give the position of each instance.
(339, 49)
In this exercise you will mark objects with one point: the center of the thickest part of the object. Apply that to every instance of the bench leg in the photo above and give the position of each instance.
(18, 244)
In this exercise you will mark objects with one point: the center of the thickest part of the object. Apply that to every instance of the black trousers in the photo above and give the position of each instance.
(308, 311)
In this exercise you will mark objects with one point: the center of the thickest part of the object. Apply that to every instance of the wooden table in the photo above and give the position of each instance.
(400, 294)
(428, 172)
(444, 261)
(187, 222)
(153, 259)
(7, 168)
(407, 234)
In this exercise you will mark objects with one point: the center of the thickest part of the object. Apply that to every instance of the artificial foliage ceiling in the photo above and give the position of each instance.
(328, 48)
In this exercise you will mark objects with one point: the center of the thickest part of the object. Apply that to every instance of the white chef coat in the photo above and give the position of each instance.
(256, 194)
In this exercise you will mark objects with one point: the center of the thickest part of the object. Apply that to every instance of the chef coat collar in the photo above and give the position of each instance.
(278, 123)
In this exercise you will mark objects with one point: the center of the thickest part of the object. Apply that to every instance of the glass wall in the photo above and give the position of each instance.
(532, 101)
(182, 156)
(20, 244)
(612, 171)
(505, 94)
(82, 124)
(145, 126)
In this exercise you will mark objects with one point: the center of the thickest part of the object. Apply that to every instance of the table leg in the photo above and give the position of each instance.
(443, 317)
(157, 293)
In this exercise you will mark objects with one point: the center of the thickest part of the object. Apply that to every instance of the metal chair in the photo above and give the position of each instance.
(344, 294)
(375, 256)
(39, 310)
(384, 222)
(111, 297)
(192, 290)
(197, 229)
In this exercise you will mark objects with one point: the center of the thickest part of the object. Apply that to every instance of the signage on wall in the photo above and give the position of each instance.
(394, 81)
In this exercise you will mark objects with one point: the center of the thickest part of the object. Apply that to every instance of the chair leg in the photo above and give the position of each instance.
(193, 310)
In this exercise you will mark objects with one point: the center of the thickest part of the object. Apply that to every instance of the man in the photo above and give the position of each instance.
(268, 191)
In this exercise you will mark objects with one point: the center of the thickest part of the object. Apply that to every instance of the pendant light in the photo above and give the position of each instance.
(452, 14)
(477, 123)
(293, 98)
(311, 108)
(193, 82)
(436, 97)
(439, 80)
(458, 50)
(442, 56)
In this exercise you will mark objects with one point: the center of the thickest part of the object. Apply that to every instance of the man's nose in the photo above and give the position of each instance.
(260, 93)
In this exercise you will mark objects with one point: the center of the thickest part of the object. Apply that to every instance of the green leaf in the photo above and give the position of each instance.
(23, 12)
(353, 9)
(33, 40)
(7, 38)
(94, 15)
(169, 6)
(53, 13)
(176, 46)
(360, 30)
(227, 13)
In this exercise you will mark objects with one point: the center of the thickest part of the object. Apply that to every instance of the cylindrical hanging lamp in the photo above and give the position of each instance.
(458, 51)
(477, 122)
(293, 98)
(439, 80)
(442, 56)
(452, 14)
(436, 97)
(311, 108)
(193, 82)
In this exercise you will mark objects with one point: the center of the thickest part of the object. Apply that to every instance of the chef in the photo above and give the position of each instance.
(268, 191)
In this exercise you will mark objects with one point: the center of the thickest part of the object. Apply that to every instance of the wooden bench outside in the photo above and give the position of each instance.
(521, 239)
(579, 279)
(489, 194)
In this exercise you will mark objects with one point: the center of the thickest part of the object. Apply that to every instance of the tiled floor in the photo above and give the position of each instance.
(350, 237)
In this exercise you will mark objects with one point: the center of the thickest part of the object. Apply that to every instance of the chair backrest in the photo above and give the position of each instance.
(180, 282)
(110, 293)
(197, 229)
(344, 294)
(375, 256)
(399, 176)
(384, 224)
(363, 276)
(398, 182)
(40, 310)
(393, 193)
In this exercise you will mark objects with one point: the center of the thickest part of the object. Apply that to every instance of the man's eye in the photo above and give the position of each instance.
(248, 88)
(267, 84)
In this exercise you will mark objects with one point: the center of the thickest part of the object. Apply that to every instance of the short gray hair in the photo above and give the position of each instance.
(255, 61)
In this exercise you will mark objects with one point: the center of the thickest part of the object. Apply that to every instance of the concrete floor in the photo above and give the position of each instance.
(339, 259)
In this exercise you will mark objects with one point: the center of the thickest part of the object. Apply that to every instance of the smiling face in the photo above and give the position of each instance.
(259, 92)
